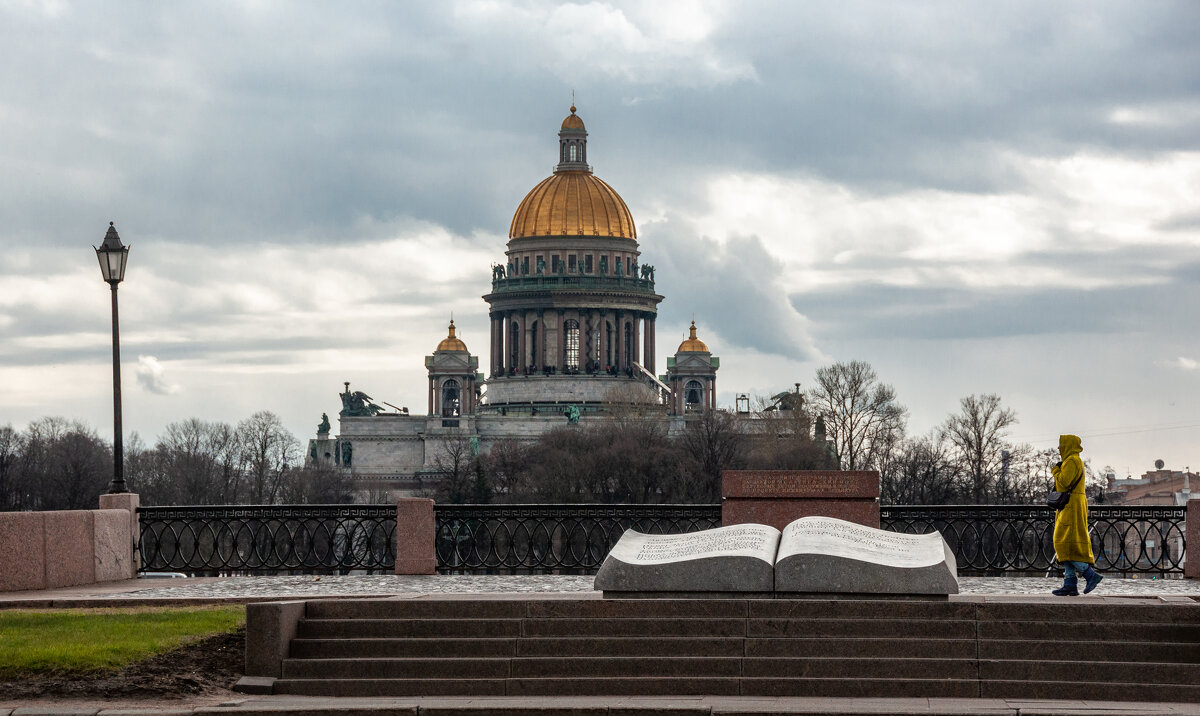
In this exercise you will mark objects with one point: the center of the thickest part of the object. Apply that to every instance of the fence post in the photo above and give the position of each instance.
(1191, 540)
(129, 501)
(415, 536)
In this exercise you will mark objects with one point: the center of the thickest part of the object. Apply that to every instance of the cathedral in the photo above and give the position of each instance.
(572, 336)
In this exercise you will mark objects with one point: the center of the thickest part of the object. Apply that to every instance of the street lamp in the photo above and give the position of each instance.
(112, 256)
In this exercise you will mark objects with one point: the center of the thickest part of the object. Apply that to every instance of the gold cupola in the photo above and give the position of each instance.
(452, 342)
(692, 344)
(572, 201)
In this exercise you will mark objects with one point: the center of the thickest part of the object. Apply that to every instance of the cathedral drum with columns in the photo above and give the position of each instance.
(572, 312)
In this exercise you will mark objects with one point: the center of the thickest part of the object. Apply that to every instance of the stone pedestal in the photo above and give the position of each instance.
(415, 536)
(777, 497)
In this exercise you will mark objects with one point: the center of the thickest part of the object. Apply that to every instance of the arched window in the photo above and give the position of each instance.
(450, 399)
(571, 344)
(692, 393)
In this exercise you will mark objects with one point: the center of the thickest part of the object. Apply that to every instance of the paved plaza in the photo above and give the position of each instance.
(309, 586)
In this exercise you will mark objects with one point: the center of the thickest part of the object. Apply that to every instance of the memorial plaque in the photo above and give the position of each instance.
(797, 484)
(824, 554)
(738, 558)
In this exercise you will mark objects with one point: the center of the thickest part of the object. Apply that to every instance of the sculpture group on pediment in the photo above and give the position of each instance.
(358, 403)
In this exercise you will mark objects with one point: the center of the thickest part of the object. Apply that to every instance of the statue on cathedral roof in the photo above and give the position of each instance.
(358, 403)
(324, 426)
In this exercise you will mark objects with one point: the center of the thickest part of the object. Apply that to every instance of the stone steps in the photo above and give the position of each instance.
(803, 647)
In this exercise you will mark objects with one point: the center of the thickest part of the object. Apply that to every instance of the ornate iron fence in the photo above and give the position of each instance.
(1008, 539)
(516, 539)
(268, 539)
(562, 539)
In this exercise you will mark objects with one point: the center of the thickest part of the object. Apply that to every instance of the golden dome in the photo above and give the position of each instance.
(692, 344)
(572, 203)
(450, 342)
(573, 121)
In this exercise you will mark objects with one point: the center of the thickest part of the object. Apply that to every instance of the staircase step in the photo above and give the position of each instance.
(414, 609)
(630, 646)
(398, 628)
(1099, 691)
(390, 687)
(396, 668)
(591, 667)
(666, 626)
(859, 609)
(1080, 611)
(850, 668)
(626, 686)
(855, 687)
(1097, 651)
(878, 628)
(1091, 671)
(862, 647)
(1095, 631)
(432, 648)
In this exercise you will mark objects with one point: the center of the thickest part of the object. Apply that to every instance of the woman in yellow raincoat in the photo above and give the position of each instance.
(1072, 544)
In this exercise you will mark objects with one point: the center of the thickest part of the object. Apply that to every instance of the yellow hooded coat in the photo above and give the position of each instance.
(1071, 541)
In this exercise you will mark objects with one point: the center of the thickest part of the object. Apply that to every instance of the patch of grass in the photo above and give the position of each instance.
(78, 640)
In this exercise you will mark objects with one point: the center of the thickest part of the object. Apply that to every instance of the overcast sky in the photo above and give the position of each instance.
(972, 197)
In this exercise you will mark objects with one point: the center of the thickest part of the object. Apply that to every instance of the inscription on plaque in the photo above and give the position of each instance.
(838, 538)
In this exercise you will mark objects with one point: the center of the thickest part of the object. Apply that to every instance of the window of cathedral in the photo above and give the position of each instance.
(571, 263)
(587, 263)
(574, 153)
(450, 399)
(524, 265)
(571, 344)
(692, 393)
(554, 263)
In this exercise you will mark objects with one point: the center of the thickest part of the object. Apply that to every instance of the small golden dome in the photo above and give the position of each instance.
(450, 342)
(573, 121)
(692, 344)
(572, 203)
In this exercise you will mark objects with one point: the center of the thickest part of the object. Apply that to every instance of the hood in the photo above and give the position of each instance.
(1069, 445)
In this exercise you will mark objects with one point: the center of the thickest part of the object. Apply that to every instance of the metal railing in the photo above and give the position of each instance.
(268, 539)
(561, 539)
(566, 539)
(590, 282)
(1014, 539)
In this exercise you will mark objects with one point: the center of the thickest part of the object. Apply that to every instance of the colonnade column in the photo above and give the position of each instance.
(619, 326)
(602, 325)
(559, 363)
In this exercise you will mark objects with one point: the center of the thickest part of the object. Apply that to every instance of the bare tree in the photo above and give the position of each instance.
(861, 414)
(712, 442)
(978, 432)
(920, 472)
(12, 486)
(271, 451)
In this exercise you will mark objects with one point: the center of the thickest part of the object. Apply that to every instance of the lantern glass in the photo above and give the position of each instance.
(112, 263)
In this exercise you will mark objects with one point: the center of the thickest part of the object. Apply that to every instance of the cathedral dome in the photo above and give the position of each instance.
(692, 344)
(573, 121)
(572, 203)
(451, 342)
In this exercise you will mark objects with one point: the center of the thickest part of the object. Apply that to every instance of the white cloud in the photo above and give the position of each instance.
(1185, 363)
(152, 376)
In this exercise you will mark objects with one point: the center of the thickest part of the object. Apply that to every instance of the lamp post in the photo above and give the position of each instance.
(112, 256)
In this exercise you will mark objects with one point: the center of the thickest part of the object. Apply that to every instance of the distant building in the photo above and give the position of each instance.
(573, 311)
(1156, 487)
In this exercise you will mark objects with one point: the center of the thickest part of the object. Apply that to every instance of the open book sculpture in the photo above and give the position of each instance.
(813, 555)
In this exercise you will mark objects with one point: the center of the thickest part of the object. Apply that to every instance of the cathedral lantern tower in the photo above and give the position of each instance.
(692, 376)
(572, 310)
(452, 378)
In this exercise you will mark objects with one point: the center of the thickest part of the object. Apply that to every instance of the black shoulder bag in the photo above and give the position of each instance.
(1059, 500)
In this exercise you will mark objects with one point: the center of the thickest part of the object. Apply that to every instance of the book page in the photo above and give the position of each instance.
(747, 540)
(839, 538)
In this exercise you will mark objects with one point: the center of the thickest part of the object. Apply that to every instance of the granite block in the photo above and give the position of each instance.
(113, 555)
(270, 627)
(70, 548)
(22, 551)
(415, 537)
(1191, 567)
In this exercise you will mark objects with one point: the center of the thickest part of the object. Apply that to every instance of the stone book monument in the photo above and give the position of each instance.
(813, 555)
